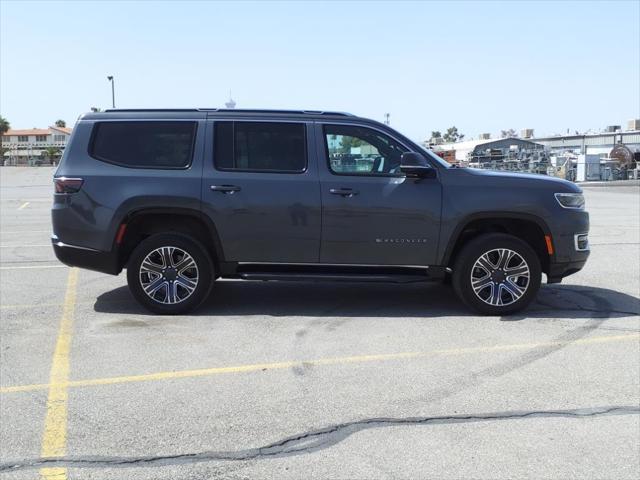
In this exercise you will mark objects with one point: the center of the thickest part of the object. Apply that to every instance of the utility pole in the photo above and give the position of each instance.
(113, 91)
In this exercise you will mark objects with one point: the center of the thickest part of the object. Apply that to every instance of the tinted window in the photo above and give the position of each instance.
(254, 146)
(144, 144)
(361, 151)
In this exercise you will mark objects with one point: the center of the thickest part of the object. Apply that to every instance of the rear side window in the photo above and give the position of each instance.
(144, 144)
(260, 146)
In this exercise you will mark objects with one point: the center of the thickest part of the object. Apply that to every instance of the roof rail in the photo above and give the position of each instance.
(150, 110)
(231, 110)
(261, 110)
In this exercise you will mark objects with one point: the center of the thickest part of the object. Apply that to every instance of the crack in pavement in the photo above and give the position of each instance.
(475, 378)
(307, 442)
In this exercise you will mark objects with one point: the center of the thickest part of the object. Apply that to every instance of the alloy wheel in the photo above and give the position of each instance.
(500, 277)
(169, 275)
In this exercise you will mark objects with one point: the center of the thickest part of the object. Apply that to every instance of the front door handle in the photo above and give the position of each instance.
(229, 189)
(345, 192)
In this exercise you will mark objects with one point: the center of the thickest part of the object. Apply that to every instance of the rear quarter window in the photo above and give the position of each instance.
(164, 145)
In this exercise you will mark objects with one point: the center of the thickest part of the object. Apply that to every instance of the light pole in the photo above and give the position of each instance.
(113, 92)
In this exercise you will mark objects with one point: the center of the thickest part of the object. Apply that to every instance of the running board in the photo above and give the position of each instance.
(336, 277)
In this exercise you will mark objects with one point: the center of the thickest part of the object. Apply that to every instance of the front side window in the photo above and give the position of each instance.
(260, 146)
(354, 150)
(144, 144)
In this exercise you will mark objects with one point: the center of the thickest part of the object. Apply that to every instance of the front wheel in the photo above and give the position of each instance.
(170, 274)
(497, 274)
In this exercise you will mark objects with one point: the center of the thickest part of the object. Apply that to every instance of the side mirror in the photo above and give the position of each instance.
(415, 165)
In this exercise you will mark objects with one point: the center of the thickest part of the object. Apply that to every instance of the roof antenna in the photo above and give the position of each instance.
(231, 103)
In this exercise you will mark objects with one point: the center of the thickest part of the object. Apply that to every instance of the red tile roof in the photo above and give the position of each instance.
(66, 130)
(38, 131)
(33, 131)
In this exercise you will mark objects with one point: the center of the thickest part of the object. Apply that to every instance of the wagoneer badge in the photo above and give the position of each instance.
(401, 240)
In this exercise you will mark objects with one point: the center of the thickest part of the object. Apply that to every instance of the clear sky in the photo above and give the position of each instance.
(482, 66)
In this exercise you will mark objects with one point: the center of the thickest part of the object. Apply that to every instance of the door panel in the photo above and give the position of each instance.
(263, 216)
(373, 217)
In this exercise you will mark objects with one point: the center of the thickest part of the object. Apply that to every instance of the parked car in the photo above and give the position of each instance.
(182, 197)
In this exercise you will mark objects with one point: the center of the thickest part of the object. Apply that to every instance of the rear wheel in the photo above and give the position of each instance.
(170, 273)
(497, 274)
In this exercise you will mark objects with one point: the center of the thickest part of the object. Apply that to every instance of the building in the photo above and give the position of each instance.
(600, 144)
(29, 147)
(605, 144)
(484, 149)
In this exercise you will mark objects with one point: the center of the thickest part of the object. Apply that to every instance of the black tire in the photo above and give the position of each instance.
(157, 249)
(499, 282)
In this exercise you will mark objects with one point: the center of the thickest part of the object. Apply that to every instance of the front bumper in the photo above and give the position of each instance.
(557, 271)
(82, 257)
(569, 231)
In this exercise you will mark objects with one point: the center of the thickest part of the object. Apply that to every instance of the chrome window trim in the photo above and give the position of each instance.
(355, 124)
(305, 123)
(321, 123)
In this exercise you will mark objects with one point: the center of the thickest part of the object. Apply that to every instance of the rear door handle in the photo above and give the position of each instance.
(345, 192)
(229, 189)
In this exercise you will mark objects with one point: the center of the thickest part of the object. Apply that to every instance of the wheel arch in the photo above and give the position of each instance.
(530, 228)
(141, 223)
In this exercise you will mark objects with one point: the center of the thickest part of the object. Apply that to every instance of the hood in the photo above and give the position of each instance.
(521, 180)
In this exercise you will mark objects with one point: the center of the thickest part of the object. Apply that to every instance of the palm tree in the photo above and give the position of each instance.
(52, 153)
(4, 128)
(60, 123)
(4, 125)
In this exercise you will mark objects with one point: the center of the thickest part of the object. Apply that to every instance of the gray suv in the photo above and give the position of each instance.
(182, 197)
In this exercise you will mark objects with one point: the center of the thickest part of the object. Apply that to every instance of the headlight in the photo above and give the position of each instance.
(571, 200)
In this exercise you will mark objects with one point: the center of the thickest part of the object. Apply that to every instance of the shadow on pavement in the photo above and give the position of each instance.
(237, 298)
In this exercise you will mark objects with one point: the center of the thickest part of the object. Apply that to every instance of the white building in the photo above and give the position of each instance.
(28, 146)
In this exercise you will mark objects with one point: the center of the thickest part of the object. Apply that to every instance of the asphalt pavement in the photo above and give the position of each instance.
(315, 380)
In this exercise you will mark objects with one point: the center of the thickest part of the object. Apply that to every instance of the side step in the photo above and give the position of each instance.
(335, 277)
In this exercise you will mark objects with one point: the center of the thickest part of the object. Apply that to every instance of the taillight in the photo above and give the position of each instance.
(67, 185)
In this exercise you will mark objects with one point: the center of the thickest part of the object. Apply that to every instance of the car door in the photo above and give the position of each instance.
(372, 214)
(261, 190)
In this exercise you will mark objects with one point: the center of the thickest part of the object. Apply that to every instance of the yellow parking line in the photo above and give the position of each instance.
(26, 306)
(24, 205)
(38, 305)
(54, 438)
(205, 372)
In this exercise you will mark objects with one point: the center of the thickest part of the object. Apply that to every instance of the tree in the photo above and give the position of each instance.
(52, 153)
(4, 128)
(511, 133)
(436, 134)
(4, 125)
(61, 123)
(452, 135)
(348, 142)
